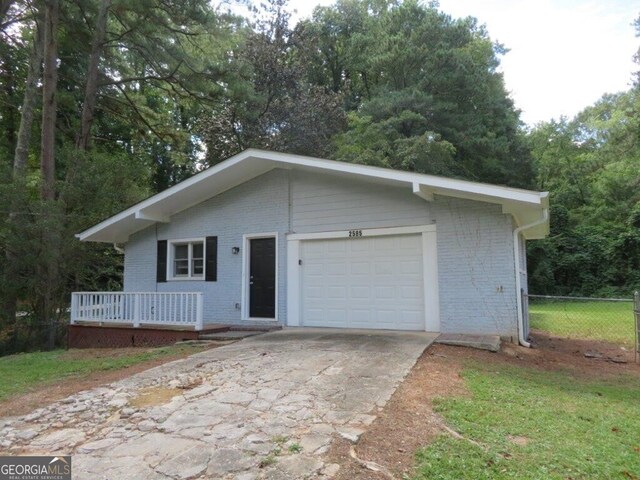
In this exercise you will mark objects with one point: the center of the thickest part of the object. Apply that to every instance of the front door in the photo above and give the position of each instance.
(262, 278)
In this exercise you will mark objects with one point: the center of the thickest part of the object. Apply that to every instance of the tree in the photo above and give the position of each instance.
(49, 98)
(423, 84)
(91, 90)
(271, 105)
(591, 166)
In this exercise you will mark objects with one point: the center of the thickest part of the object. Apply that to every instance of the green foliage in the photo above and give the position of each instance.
(272, 105)
(97, 186)
(422, 89)
(591, 166)
(572, 427)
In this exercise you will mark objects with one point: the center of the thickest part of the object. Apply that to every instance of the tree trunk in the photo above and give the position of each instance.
(10, 299)
(49, 85)
(47, 161)
(28, 106)
(4, 9)
(91, 91)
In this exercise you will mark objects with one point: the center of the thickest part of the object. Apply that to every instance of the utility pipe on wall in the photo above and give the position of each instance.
(516, 254)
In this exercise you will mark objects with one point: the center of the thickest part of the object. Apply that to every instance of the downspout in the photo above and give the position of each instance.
(516, 254)
(118, 249)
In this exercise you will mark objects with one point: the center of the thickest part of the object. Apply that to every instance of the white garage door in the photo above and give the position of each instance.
(371, 282)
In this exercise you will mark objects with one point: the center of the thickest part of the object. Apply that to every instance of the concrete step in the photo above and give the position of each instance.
(254, 328)
(229, 335)
(482, 342)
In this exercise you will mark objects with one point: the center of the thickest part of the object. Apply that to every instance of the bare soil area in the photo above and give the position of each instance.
(408, 421)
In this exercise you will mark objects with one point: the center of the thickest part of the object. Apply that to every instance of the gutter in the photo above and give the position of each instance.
(516, 254)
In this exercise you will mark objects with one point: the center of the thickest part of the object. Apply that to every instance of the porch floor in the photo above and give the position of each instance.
(208, 327)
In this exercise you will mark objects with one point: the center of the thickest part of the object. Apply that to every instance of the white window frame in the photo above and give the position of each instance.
(171, 257)
(246, 258)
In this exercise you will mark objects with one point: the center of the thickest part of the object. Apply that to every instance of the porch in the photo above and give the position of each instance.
(144, 319)
(182, 310)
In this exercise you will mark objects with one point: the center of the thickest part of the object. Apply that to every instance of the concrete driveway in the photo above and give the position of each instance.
(265, 407)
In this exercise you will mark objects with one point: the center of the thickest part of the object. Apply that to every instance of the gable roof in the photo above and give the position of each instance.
(526, 206)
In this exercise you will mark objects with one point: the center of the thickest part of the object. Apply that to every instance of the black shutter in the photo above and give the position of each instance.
(161, 271)
(211, 262)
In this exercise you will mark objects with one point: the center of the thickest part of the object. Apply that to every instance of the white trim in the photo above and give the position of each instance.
(246, 257)
(430, 282)
(293, 283)
(170, 258)
(251, 163)
(429, 265)
(516, 258)
(140, 215)
(366, 232)
(422, 192)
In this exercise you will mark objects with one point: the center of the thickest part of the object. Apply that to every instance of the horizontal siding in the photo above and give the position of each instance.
(475, 251)
(258, 206)
(326, 203)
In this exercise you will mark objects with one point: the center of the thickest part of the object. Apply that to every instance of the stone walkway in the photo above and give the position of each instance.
(263, 408)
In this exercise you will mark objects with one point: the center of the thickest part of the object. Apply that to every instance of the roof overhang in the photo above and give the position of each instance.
(526, 206)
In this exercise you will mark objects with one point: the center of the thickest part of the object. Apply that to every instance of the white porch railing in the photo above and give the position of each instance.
(139, 308)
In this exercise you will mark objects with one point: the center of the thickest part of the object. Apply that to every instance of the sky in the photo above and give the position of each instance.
(563, 54)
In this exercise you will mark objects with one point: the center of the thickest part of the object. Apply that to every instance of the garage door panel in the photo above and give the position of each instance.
(360, 268)
(384, 268)
(410, 292)
(337, 293)
(370, 282)
(413, 318)
(410, 268)
(385, 293)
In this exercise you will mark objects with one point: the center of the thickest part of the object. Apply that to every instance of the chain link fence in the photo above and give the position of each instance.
(604, 319)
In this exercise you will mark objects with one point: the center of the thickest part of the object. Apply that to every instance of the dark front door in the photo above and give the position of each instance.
(262, 278)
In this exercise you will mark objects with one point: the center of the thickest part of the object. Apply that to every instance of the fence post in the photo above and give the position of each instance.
(199, 312)
(136, 310)
(636, 313)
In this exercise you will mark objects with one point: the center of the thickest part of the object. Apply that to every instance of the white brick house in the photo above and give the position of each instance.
(277, 239)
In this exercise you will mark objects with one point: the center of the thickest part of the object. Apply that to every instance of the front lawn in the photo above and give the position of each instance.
(610, 321)
(534, 424)
(24, 372)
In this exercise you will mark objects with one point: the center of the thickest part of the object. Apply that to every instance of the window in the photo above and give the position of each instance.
(187, 259)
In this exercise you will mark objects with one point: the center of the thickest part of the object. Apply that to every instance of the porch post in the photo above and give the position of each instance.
(136, 310)
(74, 308)
(199, 312)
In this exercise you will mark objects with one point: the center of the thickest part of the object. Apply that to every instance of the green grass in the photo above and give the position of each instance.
(26, 371)
(610, 321)
(576, 429)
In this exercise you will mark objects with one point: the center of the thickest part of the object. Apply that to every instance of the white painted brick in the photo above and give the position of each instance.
(258, 206)
(475, 251)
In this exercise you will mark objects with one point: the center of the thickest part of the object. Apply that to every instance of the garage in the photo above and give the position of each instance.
(369, 281)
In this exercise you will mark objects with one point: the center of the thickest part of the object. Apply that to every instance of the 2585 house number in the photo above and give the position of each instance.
(355, 233)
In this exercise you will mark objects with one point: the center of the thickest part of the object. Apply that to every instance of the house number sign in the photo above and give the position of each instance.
(355, 233)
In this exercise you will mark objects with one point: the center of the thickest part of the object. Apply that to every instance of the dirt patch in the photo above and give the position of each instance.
(408, 422)
(153, 396)
(47, 394)
(518, 440)
(589, 358)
